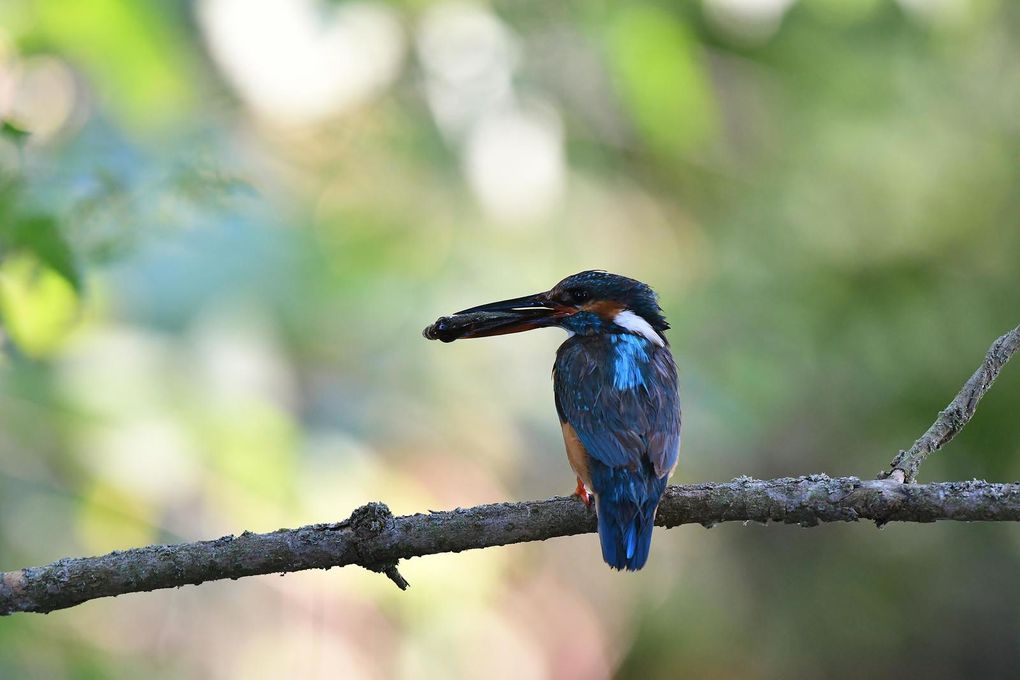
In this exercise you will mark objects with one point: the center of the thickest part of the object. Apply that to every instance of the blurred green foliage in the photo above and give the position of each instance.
(223, 225)
(662, 80)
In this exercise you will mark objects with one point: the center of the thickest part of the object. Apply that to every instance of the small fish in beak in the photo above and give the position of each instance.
(497, 318)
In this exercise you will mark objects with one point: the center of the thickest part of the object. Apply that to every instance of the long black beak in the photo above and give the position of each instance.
(498, 318)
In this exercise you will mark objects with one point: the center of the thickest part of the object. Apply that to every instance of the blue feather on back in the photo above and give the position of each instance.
(629, 360)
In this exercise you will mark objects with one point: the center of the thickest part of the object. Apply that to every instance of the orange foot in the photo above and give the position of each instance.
(583, 494)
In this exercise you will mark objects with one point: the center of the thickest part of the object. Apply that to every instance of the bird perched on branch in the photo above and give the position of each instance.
(615, 384)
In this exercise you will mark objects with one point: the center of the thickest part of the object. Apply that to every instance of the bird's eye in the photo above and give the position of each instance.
(578, 295)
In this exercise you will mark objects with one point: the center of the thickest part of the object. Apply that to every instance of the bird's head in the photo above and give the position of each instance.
(587, 303)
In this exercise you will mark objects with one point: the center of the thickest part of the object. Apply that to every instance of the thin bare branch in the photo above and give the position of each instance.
(959, 412)
(374, 539)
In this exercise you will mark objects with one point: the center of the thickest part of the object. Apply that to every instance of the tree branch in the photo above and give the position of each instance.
(373, 538)
(959, 412)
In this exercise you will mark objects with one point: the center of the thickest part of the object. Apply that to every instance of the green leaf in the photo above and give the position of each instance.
(661, 77)
(13, 132)
(40, 236)
(134, 50)
(38, 306)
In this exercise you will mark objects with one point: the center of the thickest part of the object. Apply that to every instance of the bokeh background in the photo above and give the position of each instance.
(224, 223)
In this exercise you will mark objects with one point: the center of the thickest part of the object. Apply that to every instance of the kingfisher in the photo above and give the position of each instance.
(615, 387)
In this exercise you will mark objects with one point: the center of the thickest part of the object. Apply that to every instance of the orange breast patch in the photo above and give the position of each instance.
(576, 454)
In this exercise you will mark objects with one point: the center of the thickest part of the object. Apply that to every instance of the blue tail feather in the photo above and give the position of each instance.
(631, 540)
(626, 503)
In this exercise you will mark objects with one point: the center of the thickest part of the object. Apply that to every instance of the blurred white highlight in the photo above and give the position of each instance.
(303, 61)
(512, 153)
(44, 98)
(753, 21)
(469, 56)
(939, 12)
(514, 163)
(239, 358)
(118, 372)
(152, 457)
(121, 380)
(37, 93)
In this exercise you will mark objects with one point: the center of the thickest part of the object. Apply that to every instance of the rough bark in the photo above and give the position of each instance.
(374, 539)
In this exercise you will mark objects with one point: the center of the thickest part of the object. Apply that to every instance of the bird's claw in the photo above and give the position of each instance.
(582, 494)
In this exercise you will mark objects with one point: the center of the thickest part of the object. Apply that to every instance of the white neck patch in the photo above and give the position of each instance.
(635, 324)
